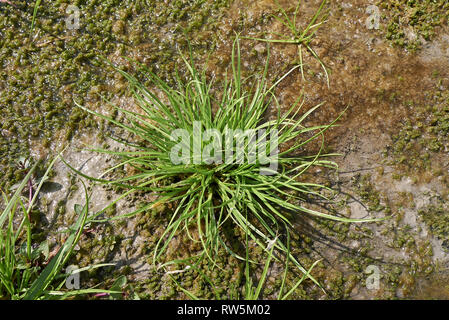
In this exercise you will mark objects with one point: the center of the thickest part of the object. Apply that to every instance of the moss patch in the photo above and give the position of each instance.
(408, 22)
(423, 134)
(436, 218)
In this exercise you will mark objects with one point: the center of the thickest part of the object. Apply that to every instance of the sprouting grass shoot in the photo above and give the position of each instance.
(301, 37)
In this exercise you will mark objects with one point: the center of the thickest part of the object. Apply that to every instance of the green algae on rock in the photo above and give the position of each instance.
(409, 23)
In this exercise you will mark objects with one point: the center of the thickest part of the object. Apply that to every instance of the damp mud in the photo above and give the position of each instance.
(390, 85)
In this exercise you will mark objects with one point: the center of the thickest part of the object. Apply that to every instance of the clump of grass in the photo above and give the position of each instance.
(299, 36)
(22, 272)
(211, 196)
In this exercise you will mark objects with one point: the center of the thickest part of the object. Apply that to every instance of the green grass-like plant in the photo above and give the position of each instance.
(22, 274)
(212, 196)
(35, 10)
(253, 292)
(298, 36)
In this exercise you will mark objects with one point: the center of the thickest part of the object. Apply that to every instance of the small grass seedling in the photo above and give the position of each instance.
(298, 36)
